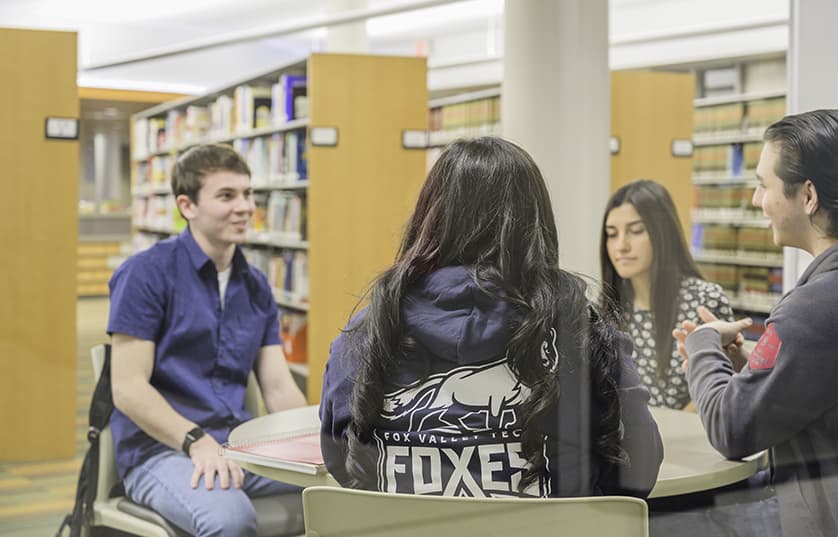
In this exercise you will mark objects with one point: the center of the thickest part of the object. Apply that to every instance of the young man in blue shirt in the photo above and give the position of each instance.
(189, 320)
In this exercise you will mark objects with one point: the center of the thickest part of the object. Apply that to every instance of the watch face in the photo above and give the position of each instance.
(191, 437)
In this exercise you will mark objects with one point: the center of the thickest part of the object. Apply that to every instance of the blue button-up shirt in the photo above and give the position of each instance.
(203, 353)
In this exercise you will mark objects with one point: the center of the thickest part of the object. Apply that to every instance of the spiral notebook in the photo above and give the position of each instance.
(298, 451)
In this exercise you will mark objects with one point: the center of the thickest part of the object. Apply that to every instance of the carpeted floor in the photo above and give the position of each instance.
(35, 496)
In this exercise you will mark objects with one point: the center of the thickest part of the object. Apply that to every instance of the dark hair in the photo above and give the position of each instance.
(485, 206)
(671, 260)
(808, 145)
(199, 161)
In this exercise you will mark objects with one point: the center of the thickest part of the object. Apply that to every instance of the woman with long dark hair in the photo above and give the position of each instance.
(478, 367)
(649, 274)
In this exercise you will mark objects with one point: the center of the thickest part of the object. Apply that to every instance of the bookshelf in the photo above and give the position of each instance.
(731, 239)
(97, 258)
(468, 114)
(648, 111)
(328, 217)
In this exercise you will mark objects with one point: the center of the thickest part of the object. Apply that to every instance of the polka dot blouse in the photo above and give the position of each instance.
(671, 390)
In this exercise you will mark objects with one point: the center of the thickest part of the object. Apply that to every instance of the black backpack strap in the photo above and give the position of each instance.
(101, 407)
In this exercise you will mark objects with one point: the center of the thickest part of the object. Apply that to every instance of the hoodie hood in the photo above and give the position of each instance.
(448, 314)
(827, 261)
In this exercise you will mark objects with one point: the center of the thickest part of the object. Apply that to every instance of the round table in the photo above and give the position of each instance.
(690, 463)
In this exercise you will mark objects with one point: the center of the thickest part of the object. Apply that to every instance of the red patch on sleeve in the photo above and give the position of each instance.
(765, 353)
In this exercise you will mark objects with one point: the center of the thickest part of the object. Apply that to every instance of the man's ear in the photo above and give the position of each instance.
(810, 198)
(186, 206)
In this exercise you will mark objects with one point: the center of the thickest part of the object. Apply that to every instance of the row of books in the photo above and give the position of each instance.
(278, 161)
(763, 112)
(738, 117)
(279, 216)
(287, 271)
(733, 239)
(143, 241)
(280, 157)
(734, 159)
(741, 280)
(464, 115)
(722, 117)
(153, 174)
(731, 195)
(157, 212)
(248, 107)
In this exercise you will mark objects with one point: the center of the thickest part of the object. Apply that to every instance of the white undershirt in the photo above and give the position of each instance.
(223, 280)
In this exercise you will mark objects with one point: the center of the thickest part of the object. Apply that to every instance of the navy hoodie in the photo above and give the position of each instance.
(451, 423)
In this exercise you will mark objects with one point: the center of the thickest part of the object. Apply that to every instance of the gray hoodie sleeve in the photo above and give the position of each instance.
(789, 381)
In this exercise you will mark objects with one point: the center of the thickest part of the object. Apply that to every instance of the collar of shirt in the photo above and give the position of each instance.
(200, 259)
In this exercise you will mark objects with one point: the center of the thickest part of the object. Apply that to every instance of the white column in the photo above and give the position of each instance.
(556, 105)
(350, 37)
(813, 83)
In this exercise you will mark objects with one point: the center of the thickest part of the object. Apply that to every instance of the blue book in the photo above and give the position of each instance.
(302, 163)
(291, 87)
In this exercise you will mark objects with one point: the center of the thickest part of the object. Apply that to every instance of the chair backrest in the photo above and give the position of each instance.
(340, 512)
(107, 460)
(253, 397)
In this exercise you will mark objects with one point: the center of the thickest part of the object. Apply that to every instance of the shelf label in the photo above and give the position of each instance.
(682, 147)
(324, 136)
(61, 128)
(414, 139)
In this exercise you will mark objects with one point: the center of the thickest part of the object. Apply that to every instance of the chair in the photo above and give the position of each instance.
(333, 512)
(275, 515)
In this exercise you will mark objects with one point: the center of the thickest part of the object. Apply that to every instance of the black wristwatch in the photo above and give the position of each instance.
(190, 439)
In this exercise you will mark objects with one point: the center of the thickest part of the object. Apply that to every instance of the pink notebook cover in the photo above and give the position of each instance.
(303, 448)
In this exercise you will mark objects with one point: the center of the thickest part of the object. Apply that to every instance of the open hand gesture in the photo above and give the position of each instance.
(730, 332)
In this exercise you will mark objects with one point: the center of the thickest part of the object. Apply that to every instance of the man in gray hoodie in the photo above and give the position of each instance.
(785, 398)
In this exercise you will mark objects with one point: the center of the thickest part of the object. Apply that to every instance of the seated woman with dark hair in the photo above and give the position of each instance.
(650, 276)
(478, 367)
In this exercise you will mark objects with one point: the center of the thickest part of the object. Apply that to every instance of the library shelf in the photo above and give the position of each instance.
(723, 179)
(288, 300)
(346, 222)
(728, 137)
(156, 230)
(464, 115)
(748, 259)
(733, 217)
(737, 98)
(269, 186)
(224, 138)
(755, 302)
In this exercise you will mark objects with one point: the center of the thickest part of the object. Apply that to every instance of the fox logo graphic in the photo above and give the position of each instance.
(485, 396)
(549, 352)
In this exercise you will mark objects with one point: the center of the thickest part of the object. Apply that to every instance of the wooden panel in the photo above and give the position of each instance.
(362, 191)
(649, 110)
(131, 96)
(38, 241)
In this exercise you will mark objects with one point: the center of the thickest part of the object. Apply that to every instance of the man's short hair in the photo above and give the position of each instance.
(807, 143)
(196, 163)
